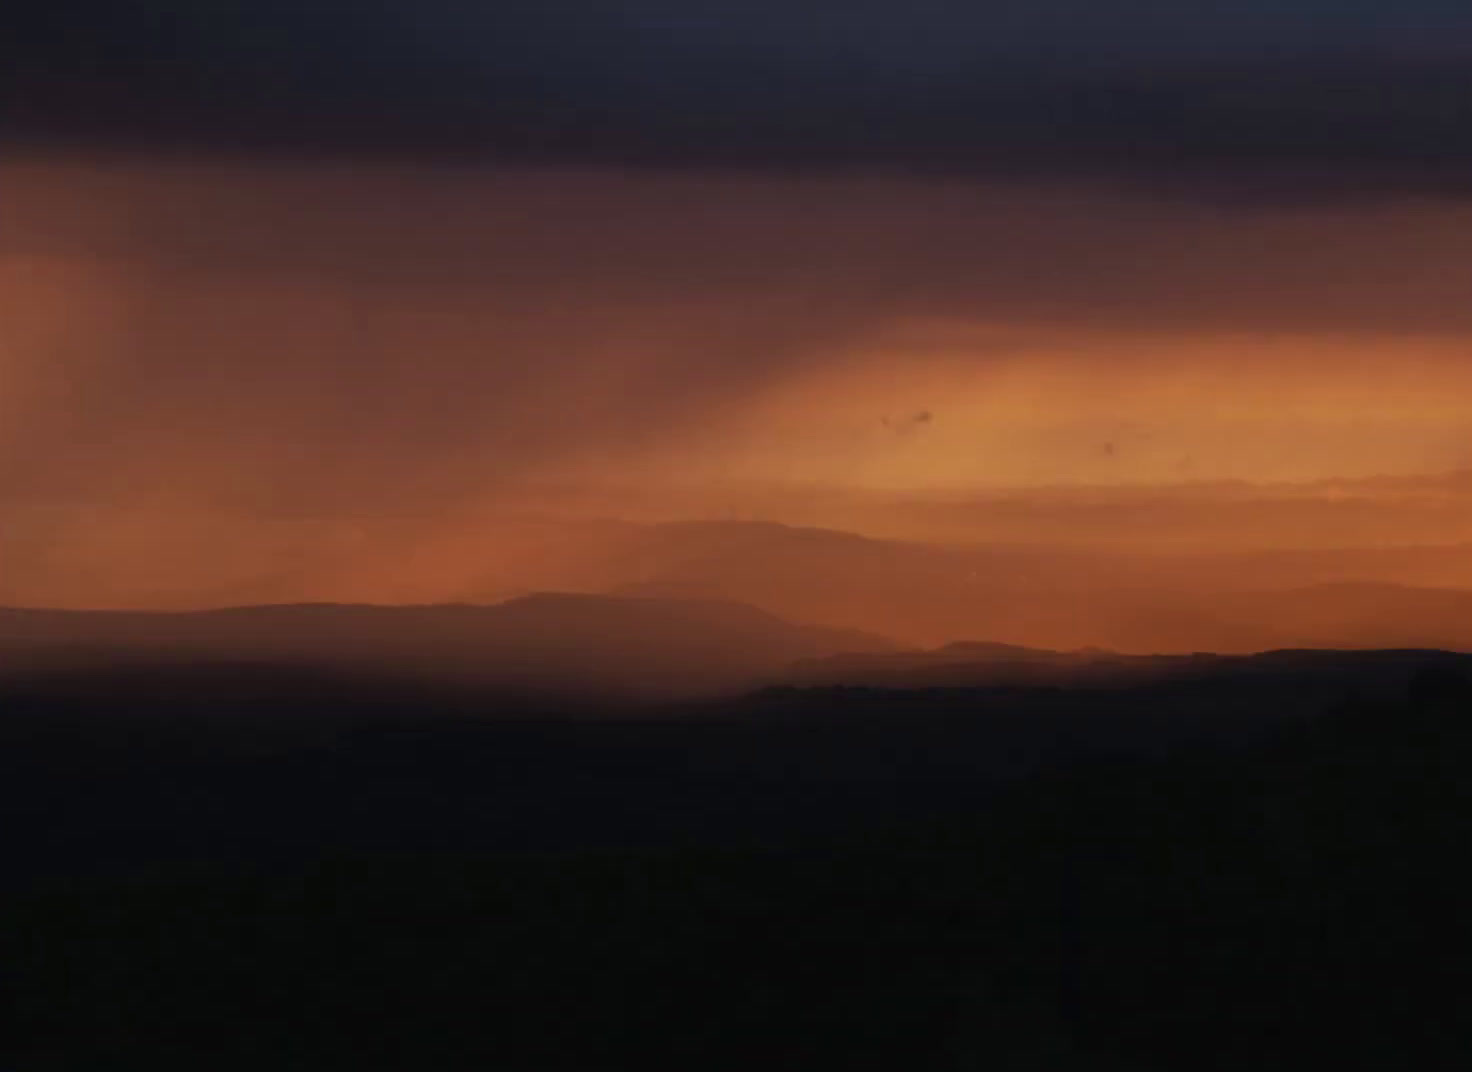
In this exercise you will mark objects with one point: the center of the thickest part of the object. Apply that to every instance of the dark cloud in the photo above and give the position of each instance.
(1347, 94)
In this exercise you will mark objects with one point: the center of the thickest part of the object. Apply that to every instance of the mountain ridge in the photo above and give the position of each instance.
(559, 642)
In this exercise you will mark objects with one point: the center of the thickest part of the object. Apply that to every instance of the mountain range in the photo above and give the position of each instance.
(646, 647)
(615, 647)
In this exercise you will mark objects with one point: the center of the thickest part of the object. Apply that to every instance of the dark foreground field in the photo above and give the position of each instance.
(1261, 866)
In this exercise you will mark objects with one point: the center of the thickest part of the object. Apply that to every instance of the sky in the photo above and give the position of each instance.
(1071, 85)
(290, 270)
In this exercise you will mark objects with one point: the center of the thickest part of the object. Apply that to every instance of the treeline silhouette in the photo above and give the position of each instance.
(241, 867)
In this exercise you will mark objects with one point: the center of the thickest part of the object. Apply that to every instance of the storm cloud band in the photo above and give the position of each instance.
(1294, 97)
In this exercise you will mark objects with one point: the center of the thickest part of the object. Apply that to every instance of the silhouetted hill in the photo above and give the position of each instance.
(1051, 597)
(982, 665)
(1127, 596)
(1224, 863)
(987, 665)
(921, 593)
(594, 645)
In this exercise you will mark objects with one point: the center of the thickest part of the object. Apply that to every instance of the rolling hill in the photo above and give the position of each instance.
(613, 646)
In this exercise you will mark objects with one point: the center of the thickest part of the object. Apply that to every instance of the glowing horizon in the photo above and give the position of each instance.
(228, 381)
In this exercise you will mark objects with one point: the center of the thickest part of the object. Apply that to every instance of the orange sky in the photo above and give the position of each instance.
(227, 349)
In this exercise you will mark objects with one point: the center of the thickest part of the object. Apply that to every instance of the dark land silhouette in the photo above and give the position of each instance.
(273, 837)
(591, 646)
(1098, 587)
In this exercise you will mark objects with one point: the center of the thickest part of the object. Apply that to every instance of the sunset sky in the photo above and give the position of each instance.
(722, 534)
(1111, 270)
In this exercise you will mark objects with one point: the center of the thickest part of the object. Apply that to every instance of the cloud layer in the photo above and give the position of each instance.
(1290, 95)
(197, 353)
